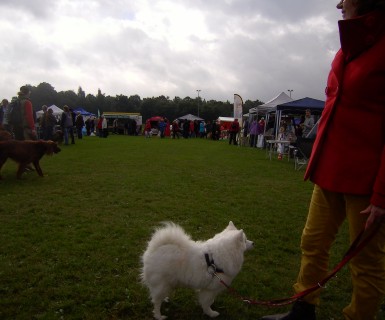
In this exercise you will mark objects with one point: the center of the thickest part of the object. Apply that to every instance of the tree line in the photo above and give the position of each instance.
(45, 94)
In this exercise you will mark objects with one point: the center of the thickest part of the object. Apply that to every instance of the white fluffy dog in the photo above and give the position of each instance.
(173, 260)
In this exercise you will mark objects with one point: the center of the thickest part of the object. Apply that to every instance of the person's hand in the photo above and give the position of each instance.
(375, 215)
(33, 135)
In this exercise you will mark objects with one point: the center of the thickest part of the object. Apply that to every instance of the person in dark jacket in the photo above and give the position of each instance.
(79, 123)
(233, 130)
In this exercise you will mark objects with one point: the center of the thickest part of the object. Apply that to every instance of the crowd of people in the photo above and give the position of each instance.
(47, 126)
(72, 124)
(24, 128)
(184, 128)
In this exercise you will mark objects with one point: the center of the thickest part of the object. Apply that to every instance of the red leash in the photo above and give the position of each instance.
(358, 244)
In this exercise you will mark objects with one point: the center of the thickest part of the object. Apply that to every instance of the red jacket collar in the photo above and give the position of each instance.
(358, 34)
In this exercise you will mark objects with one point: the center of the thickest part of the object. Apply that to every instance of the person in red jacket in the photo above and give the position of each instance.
(234, 129)
(26, 129)
(175, 129)
(347, 166)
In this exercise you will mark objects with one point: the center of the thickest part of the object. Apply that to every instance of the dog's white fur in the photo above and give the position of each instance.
(173, 260)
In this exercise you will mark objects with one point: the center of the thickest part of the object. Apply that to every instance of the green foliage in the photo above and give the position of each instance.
(71, 242)
(45, 94)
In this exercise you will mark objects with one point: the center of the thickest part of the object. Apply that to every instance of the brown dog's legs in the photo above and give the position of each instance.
(2, 161)
(21, 170)
(38, 168)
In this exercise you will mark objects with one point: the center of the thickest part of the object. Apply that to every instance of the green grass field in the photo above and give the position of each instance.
(71, 242)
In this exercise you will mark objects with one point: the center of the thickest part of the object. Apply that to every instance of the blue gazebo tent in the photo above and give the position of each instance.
(83, 112)
(297, 107)
(300, 105)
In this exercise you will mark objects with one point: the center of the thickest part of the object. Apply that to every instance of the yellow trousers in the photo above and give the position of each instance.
(327, 212)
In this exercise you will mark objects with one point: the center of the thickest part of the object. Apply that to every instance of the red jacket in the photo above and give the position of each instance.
(349, 151)
(28, 121)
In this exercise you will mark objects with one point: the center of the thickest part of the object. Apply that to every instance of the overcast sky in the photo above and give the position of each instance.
(255, 48)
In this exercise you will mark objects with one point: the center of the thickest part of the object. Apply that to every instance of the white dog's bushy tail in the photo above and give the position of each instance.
(168, 233)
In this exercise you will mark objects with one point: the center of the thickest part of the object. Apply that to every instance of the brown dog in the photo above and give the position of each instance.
(5, 135)
(26, 152)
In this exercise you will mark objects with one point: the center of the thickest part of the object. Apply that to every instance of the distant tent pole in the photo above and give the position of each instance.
(278, 122)
(238, 113)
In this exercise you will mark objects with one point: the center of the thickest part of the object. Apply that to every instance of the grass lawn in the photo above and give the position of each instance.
(71, 242)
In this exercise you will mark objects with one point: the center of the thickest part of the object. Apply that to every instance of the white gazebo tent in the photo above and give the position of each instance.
(56, 112)
(189, 117)
(271, 106)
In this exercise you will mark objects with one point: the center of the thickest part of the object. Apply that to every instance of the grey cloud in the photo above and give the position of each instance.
(241, 53)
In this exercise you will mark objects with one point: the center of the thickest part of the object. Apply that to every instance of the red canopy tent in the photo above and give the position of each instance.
(155, 119)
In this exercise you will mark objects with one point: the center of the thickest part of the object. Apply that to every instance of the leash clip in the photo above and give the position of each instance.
(212, 269)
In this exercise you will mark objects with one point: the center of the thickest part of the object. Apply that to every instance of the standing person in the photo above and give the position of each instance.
(50, 123)
(79, 123)
(99, 127)
(261, 126)
(202, 129)
(167, 130)
(25, 130)
(234, 129)
(208, 129)
(175, 129)
(253, 133)
(88, 126)
(186, 129)
(115, 126)
(196, 128)
(4, 117)
(298, 127)
(191, 129)
(348, 170)
(67, 124)
(93, 124)
(42, 122)
(162, 127)
(104, 126)
(147, 129)
(245, 129)
(214, 130)
(308, 123)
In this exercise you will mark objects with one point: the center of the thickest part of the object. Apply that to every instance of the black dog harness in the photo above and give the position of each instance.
(211, 267)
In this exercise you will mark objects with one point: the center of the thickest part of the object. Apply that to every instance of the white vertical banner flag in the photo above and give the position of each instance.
(238, 108)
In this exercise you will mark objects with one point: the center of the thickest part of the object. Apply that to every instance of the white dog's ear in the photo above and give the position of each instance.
(240, 236)
(231, 226)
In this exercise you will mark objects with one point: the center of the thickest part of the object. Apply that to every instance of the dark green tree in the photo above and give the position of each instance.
(134, 103)
(101, 103)
(46, 94)
(68, 98)
(43, 94)
(81, 97)
(121, 104)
